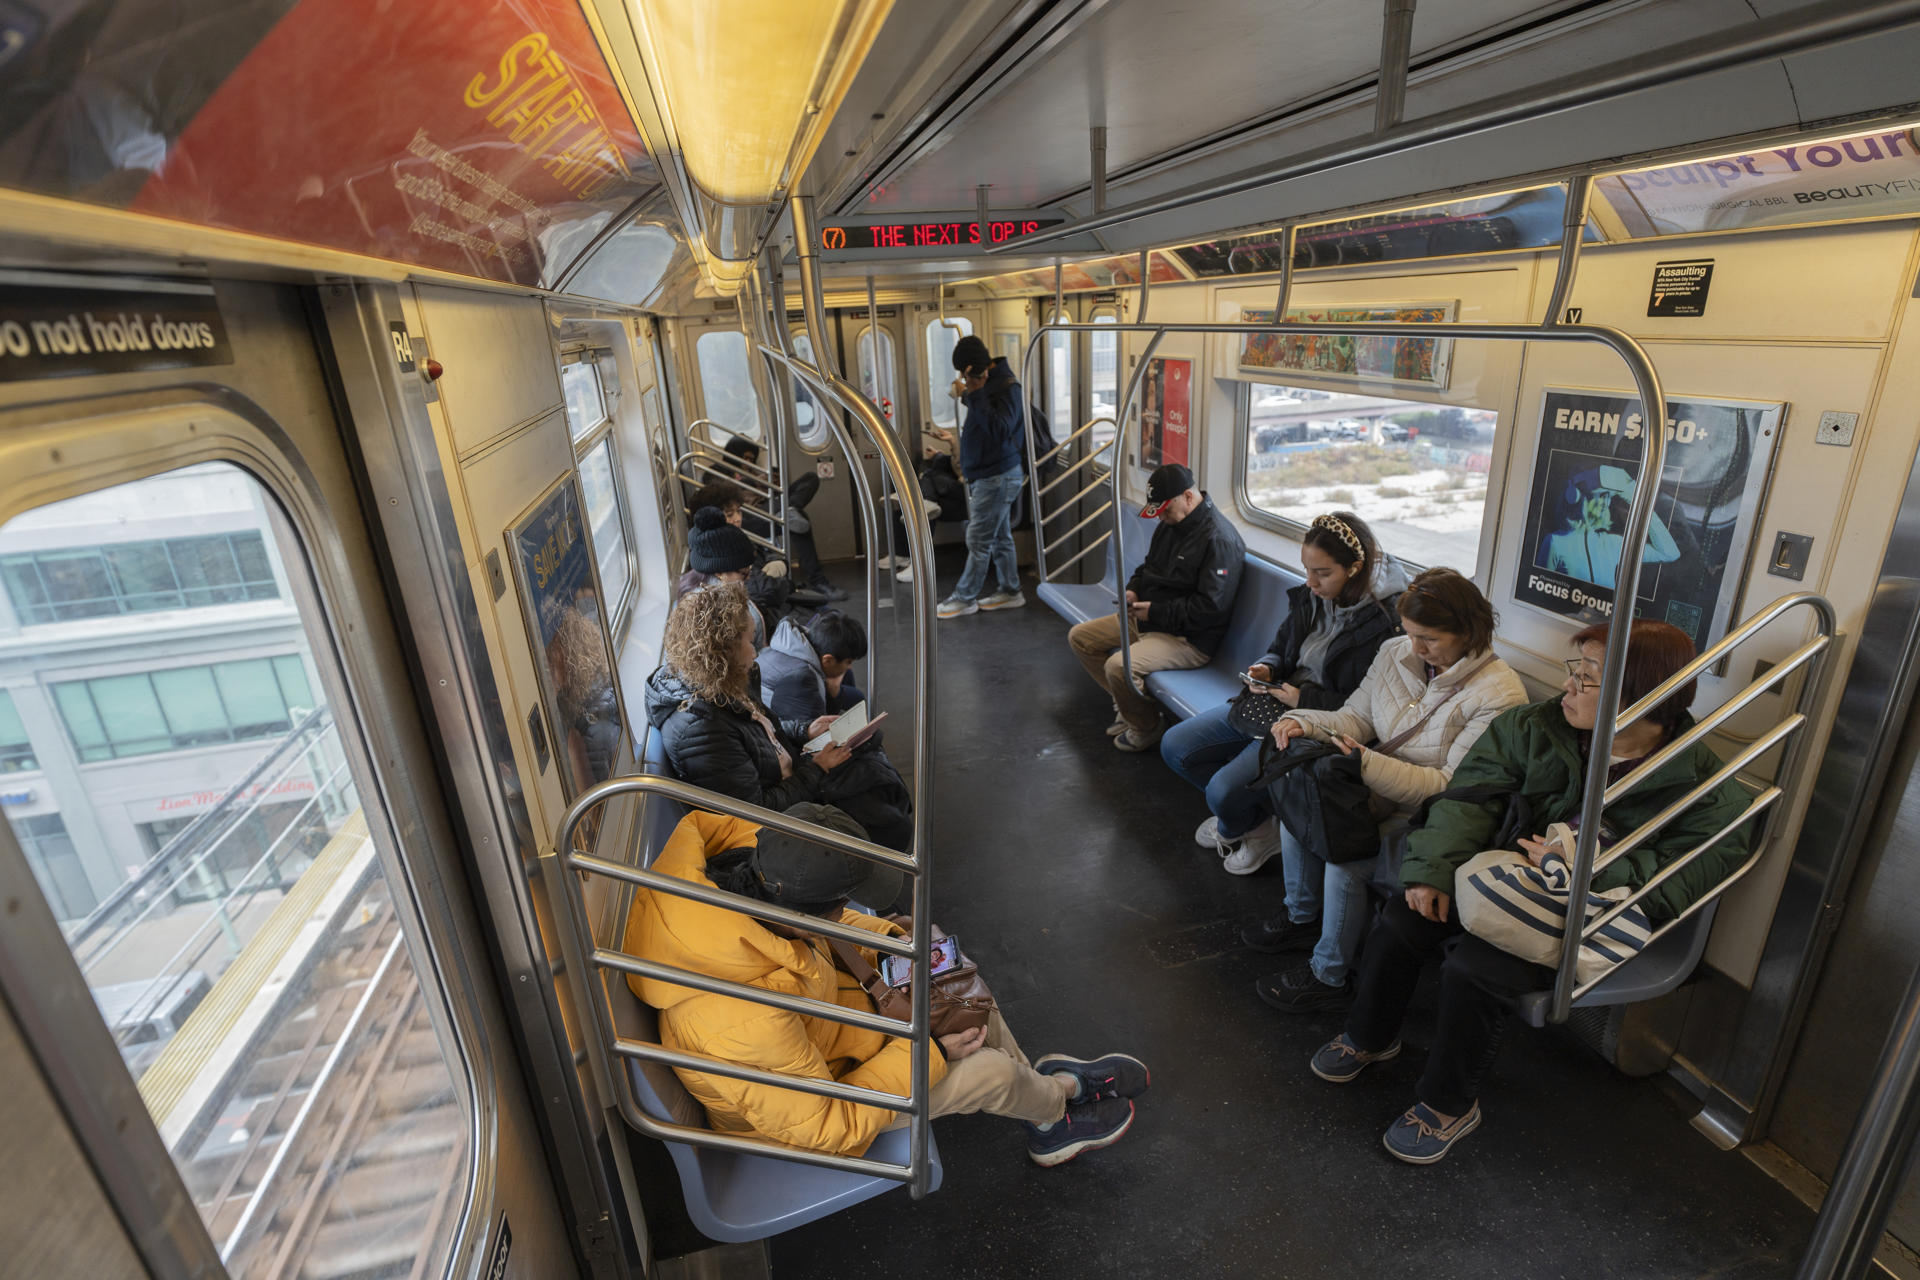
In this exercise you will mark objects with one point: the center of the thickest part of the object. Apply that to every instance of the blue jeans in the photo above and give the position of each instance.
(990, 535)
(1337, 893)
(1220, 761)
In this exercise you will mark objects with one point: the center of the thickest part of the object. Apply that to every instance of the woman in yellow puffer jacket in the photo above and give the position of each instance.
(1068, 1105)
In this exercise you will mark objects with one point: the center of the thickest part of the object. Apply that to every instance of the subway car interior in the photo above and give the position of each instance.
(390, 395)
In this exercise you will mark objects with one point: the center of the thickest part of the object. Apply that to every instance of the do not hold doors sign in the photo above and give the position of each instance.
(55, 331)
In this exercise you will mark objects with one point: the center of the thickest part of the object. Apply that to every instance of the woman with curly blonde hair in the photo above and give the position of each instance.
(705, 701)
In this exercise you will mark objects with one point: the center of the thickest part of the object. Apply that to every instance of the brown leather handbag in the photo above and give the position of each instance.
(958, 1002)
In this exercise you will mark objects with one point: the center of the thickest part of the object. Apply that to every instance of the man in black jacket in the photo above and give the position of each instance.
(991, 449)
(1178, 603)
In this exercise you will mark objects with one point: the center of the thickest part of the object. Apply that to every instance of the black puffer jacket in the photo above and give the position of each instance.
(1354, 645)
(1191, 575)
(721, 748)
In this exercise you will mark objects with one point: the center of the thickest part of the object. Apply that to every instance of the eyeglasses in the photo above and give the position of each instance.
(1574, 669)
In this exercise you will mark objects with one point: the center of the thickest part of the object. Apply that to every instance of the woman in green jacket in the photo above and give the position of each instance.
(1540, 752)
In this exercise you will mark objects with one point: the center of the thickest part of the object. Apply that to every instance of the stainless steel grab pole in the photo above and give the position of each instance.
(1396, 43)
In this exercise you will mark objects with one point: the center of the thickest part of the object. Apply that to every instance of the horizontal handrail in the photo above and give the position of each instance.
(1823, 613)
(1075, 434)
(1060, 479)
(737, 435)
(1079, 555)
(742, 1144)
(1066, 507)
(625, 962)
(646, 1051)
(704, 462)
(1652, 826)
(721, 898)
(1101, 510)
(1756, 805)
(1719, 716)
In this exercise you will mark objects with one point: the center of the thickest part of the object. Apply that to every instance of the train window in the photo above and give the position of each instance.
(808, 420)
(1059, 379)
(609, 533)
(586, 399)
(199, 832)
(1415, 471)
(726, 382)
(1104, 379)
(876, 380)
(942, 338)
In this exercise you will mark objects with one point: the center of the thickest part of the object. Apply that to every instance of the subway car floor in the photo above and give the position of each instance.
(1068, 870)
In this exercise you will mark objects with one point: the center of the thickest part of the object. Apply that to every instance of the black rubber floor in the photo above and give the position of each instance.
(1069, 871)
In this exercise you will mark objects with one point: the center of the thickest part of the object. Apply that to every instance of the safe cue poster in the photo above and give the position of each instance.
(1587, 468)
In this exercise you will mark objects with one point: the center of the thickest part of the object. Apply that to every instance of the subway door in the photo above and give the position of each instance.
(874, 359)
(815, 447)
(240, 946)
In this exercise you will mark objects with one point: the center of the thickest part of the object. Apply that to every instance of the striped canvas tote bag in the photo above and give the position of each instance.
(1521, 908)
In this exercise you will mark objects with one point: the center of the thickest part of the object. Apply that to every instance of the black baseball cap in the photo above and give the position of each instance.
(1164, 485)
(800, 874)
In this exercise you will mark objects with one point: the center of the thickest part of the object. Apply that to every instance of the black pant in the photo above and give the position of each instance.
(1478, 982)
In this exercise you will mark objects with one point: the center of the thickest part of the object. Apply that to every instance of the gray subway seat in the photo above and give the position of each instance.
(730, 1197)
(1258, 611)
(1664, 965)
(1079, 602)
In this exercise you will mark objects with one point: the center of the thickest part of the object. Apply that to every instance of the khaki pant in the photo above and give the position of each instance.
(998, 1080)
(1096, 643)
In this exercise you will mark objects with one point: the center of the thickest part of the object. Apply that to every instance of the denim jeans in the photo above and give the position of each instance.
(1337, 893)
(1198, 746)
(990, 535)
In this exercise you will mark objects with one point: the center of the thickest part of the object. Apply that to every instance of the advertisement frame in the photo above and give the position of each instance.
(1366, 312)
(1742, 541)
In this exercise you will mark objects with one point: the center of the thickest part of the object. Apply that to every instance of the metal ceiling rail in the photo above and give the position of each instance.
(1626, 578)
(1802, 30)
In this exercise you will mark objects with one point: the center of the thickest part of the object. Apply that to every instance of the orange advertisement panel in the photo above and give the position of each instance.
(485, 138)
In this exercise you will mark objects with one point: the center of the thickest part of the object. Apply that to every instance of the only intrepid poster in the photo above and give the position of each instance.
(1587, 468)
(1166, 401)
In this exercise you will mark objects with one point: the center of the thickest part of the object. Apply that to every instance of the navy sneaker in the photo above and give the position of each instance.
(1340, 1060)
(1281, 934)
(1296, 990)
(1115, 1075)
(1087, 1126)
(1418, 1137)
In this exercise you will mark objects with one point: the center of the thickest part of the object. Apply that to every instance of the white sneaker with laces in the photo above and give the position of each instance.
(1207, 836)
(1260, 844)
(905, 575)
(1003, 600)
(951, 608)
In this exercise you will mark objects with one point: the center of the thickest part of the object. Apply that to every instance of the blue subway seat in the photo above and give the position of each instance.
(1080, 602)
(1258, 611)
(1664, 965)
(731, 1197)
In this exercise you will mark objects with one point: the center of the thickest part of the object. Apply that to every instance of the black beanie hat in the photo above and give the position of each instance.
(970, 353)
(715, 545)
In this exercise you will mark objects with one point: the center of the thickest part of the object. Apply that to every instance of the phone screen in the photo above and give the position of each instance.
(897, 970)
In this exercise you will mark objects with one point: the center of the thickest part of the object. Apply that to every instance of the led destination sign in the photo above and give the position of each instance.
(929, 235)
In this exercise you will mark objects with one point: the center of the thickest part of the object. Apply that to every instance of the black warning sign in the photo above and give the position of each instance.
(1680, 288)
(53, 331)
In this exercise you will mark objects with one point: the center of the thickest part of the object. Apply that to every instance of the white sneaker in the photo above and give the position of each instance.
(952, 608)
(892, 562)
(1260, 844)
(1207, 836)
(1004, 600)
(905, 575)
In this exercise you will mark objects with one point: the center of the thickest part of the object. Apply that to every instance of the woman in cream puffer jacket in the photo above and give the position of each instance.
(1443, 669)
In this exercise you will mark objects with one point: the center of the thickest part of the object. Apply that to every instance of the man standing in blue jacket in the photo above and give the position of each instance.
(990, 463)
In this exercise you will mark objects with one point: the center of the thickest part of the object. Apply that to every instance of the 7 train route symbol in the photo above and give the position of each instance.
(833, 237)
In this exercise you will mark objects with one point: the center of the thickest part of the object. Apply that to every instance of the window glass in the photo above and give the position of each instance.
(16, 752)
(1059, 375)
(138, 577)
(1416, 472)
(942, 408)
(1104, 376)
(807, 420)
(726, 383)
(231, 915)
(877, 381)
(603, 519)
(586, 401)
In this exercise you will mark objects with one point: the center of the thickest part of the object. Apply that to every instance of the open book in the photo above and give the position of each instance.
(849, 729)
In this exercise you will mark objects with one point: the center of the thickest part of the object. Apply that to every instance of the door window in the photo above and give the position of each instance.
(212, 865)
(726, 382)
(876, 377)
(942, 408)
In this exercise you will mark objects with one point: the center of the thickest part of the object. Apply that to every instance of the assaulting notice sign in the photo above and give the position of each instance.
(50, 330)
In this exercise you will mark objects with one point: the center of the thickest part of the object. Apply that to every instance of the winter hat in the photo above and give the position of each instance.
(716, 546)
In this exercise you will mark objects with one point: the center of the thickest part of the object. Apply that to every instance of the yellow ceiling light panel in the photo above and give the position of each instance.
(751, 84)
